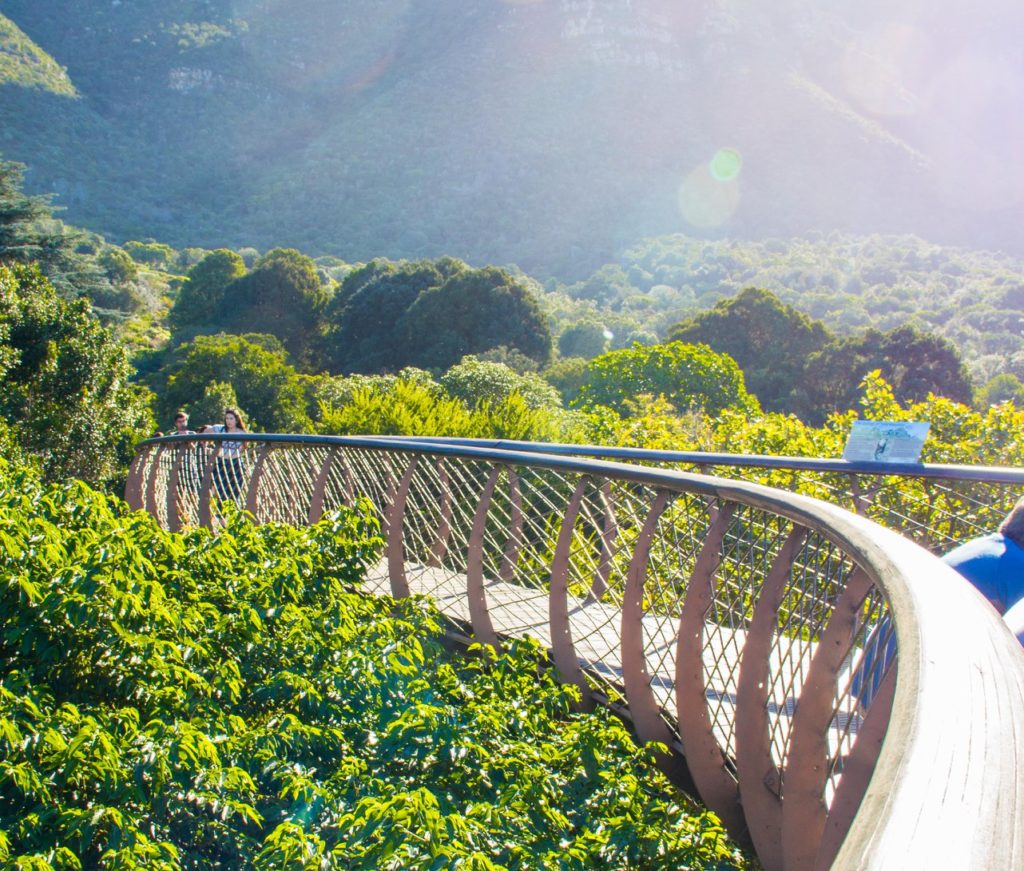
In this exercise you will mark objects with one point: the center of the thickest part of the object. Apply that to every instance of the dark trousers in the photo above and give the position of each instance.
(227, 477)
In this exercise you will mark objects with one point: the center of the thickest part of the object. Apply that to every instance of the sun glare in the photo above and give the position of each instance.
(710, 194)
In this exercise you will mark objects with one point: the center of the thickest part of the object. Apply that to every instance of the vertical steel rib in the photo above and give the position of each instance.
(396, 533)
(704, 755)
(316, 502)
(390, 489)
(479, 616)
(253, 492)
(348, 478)
(510, 555)
(857, 771)
(205, 488)
(154, 476)
(609, 531)
(133, 486)
(757, 773)
(562, 650)
(860, 501)
(803, 806)
(439, 549)
(643, 706)
(173, 516)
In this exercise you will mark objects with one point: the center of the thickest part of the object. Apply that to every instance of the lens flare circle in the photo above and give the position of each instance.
(726, 164)
(705, 201)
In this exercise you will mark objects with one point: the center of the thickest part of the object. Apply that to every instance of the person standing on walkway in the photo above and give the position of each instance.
(190, 469)
(227, 473)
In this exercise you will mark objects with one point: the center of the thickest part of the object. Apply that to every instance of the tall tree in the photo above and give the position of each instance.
(585, 339)
(474, 311)
(282, 296)
(770, 341)
(201, 298)
(29, 233)
(255, 367)
(66, 390)
(913, 362)
(361, 334)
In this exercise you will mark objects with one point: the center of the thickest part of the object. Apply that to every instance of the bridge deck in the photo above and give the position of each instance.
(518, 611)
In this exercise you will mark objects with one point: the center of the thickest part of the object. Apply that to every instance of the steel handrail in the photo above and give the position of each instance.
(938, 471)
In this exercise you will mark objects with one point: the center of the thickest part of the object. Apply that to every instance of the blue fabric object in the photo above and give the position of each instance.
(994, 564)
(879, 654)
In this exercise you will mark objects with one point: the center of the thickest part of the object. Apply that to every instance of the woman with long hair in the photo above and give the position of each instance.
(227, 473)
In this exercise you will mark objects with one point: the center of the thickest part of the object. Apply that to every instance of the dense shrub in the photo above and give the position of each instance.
(690, 377)
(474, 380)
(414, 407)
(198, 701)
(932, 514)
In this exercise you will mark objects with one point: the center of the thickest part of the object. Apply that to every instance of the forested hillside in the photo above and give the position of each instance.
(23, 63)
(552, 134)
(974, 299)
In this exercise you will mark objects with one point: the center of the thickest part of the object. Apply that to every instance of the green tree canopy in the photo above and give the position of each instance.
(688, 376)
(29, 233)
(474, 311)
(120, 293)
(335, 391)
(120, 268)
(415, 408)
(515, 359)
(151, 253)
(913, 362)
(282, 296)
(567, 375)
(1002, 388)
(201, 298)
(362, 316)
(473, 381)
(586, 339)
(609, 284)
(209, 408)
(769, 340)
(254, 366)
(66, 392)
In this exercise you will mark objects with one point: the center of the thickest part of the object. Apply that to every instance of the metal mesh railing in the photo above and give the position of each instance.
(751, 630)
(936, 506)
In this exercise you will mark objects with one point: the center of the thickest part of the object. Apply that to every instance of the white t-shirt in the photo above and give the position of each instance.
(230, 450)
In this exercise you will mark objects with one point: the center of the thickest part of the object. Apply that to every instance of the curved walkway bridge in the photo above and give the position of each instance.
(752, 630)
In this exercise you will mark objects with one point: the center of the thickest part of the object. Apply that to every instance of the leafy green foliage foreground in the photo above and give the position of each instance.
(191, 701)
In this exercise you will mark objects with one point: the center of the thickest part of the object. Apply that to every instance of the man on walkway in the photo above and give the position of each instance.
(190, 470)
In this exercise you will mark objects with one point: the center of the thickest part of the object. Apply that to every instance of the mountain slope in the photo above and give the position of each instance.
(25, 64)
(551, 133)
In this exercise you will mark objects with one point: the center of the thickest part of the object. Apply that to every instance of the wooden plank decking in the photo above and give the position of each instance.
(518, 611)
